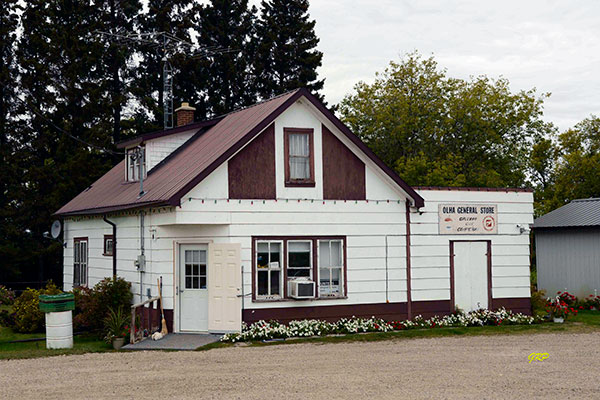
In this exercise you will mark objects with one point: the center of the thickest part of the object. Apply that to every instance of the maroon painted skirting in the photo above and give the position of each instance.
(387, 311)
(516, 304)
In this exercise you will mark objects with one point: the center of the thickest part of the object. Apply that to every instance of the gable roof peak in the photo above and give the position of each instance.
(216, 141)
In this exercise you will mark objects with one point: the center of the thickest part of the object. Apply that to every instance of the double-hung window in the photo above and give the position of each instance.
(299, 164)
(299, 262)
(135, 157)
(283, 264)
(269, 269)
(80, 262)
(331, 268)
(108, 245)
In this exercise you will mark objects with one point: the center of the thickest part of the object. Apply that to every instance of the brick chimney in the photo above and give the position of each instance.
(185, 114)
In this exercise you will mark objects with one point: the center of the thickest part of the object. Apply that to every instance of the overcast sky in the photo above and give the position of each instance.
(551, 45)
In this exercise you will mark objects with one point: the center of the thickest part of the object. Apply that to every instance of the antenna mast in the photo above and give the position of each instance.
(168, 45)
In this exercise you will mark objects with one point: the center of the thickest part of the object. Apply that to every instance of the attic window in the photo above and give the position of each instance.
(134, 157)
(299, 157)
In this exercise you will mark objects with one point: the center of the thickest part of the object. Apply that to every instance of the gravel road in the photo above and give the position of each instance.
(480, 367)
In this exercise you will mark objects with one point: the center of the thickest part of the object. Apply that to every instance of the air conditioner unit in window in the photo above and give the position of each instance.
(301, 289)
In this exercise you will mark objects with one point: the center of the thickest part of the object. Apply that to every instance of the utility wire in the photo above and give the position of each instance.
(58, 128)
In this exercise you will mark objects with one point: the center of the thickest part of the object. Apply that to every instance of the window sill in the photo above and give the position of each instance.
(107, 254)
(299, 184)
(268, 300)
(295, 300)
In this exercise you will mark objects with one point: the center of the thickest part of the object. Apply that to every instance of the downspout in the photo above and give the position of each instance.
(408, 279)
(114, 253)
(142, 251)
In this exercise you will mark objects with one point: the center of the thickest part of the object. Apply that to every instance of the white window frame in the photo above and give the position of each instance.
(132, 167)
(305, 158)
(80, 263)
(342, 289)
(200, 274)
(269, 269)
(287, 264)
(107, 239)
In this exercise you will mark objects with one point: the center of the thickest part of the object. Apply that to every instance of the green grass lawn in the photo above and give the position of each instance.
(586, 321)
(82, 344)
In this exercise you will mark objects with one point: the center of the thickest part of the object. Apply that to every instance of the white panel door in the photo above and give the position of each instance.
(470, 275)
(224, 287)
(193, 288)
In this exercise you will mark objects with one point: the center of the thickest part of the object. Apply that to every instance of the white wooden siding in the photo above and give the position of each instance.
(430, 252)
(158, 149)
(367, 226)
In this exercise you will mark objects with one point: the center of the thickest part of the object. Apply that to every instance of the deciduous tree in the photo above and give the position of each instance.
(437, 130)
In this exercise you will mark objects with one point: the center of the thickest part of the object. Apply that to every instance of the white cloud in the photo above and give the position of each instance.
(551, 45)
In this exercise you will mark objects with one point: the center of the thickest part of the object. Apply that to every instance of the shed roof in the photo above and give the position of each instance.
(214, 143)
(580, 212)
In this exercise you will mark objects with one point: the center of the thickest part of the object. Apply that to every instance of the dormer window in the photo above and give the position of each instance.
(134, 157)
(299, 157)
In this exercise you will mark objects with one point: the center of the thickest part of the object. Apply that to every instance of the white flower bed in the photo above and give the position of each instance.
(263, 330)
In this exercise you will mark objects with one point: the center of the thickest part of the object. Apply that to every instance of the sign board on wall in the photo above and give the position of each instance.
(468, 219)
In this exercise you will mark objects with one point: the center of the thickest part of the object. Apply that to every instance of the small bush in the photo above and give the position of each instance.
(591, 302)
(115, 324)
(7, 296)
(7, 319)
(92, 305)
(538, 303)
(27, 315)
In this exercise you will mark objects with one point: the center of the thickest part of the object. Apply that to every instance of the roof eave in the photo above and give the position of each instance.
(111, 209)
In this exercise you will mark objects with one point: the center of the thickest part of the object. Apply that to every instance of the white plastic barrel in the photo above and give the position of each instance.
(59, 330)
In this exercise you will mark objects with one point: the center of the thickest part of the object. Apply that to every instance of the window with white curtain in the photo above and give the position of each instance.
(299, 148)
(331, 268)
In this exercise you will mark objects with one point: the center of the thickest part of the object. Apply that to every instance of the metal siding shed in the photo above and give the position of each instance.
(568, 248)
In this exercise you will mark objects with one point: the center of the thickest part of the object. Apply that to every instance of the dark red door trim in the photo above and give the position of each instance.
(489, 272)
(408, 275)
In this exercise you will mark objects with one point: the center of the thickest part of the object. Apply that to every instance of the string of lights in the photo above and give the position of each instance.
(204, 200)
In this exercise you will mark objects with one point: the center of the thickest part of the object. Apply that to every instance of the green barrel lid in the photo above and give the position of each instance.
(57, 302)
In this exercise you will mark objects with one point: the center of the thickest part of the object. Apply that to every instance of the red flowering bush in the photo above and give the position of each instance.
(559, 308)
(591, 302)
(567, 298)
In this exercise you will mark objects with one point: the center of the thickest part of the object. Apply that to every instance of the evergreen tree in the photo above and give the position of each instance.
(173, 17)
(114, 75)
(287, 57)
(9, 176)
(61, 67)
(224, 82)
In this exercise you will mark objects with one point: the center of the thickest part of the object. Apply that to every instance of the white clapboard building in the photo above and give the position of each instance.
(278, 211)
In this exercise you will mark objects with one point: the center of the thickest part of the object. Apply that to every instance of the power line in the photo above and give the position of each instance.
(168, 44)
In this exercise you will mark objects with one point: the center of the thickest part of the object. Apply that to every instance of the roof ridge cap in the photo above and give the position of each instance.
(258, 103)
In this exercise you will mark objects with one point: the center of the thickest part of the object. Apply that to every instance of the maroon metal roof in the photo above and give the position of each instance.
(169, 181)
(157, 134)
(474, 189)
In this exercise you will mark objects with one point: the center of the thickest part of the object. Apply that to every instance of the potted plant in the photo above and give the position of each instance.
(559, 310)
(115, 325)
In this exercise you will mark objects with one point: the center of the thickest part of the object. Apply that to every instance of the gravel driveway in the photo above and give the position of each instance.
(481, 367)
